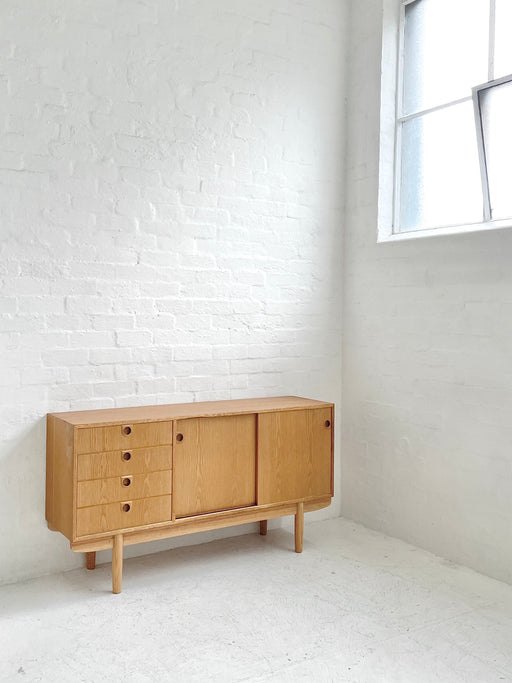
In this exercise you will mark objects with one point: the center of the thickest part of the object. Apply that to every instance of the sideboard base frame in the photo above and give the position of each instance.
(180, 527)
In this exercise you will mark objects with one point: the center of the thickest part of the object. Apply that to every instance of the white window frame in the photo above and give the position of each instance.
(480, 137)
(390, 128)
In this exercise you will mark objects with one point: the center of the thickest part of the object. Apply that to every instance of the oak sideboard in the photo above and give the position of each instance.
(121, 476)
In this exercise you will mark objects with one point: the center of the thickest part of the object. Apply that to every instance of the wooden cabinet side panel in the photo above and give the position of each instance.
(332, 451)
(59, 476)
(294, 455)
(214, 464)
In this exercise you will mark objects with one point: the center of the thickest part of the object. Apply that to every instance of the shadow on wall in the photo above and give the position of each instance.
(23, 529)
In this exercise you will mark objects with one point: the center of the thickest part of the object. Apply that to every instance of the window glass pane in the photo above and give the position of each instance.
(496, 111)
(503, 42)
(445, 51)
(440, 176)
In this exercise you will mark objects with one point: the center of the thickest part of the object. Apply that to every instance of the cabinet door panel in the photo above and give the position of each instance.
(214, 464)
(294, 455)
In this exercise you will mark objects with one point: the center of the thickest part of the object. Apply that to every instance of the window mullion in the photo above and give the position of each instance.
(481, 155)
(492, 39)
(417, 114)
(398, 124)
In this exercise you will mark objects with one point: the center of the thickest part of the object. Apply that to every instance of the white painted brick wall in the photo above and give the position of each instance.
(427, 379)
(171, 179)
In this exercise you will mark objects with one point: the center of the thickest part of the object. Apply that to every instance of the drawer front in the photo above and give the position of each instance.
(101, 491)
(110, 438)
(122, 515)
(123, 462)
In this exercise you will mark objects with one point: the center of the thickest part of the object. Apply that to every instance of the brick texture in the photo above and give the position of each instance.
(171, 195)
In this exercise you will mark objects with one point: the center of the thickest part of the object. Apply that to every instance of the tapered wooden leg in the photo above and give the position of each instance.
(263, 527)
(90, 560)
(299, 527)
(117, 563)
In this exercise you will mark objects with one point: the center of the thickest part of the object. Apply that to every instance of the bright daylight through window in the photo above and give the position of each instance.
(453, 145)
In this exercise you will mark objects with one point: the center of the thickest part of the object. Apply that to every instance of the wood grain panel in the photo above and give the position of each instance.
(214, 464)
(113, 463)
(112, 437)
(294, 455)
(59, 476)
(102, 491)
(181, 411)
(112, 517)
(191, 525)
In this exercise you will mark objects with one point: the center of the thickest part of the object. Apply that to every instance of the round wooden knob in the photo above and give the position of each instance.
(127, 481)
(125, 507)
(127, 430)
(327, 423)
(179, 437)
(127, 455)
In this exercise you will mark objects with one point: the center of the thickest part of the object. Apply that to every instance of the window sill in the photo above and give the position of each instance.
(386, 236)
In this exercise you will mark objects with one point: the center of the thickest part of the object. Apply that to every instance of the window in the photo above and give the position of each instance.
(451, 146)
(493, 115)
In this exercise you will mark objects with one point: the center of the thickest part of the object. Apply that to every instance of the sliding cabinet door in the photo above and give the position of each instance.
(294, 455)
(214, 464)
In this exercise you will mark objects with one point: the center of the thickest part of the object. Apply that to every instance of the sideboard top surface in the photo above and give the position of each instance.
(176, 411)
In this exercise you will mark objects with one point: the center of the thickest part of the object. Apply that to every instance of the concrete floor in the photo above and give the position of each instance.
(355, 606)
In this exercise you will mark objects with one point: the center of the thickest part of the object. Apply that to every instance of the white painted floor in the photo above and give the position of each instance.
(355, 606)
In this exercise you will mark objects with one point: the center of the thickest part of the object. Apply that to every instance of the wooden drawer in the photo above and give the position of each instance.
(101, 491)
(123, 462)
(122, 515)
(110, 438)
